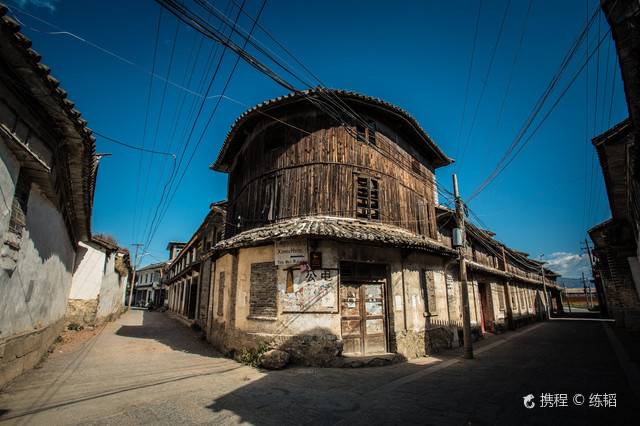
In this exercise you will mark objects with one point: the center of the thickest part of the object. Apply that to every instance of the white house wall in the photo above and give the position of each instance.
(111, 291)
(87, 278)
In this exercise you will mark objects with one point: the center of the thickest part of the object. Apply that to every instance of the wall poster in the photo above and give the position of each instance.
(307, 290)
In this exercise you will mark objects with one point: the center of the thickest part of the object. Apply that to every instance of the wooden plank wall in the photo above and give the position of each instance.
(315, 174)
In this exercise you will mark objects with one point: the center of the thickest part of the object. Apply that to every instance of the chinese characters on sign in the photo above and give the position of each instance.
(308, 290)
(555, 400)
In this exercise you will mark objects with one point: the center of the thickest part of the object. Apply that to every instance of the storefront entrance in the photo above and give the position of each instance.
(363, 318)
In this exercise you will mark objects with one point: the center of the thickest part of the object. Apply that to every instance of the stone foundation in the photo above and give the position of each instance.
(22, 352)
(318, 350)
(82, 312)
(441, 338)
(410, 344)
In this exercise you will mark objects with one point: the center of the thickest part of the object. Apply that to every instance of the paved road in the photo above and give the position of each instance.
(148, 369)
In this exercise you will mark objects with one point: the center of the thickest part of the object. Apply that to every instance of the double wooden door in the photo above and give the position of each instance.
(363, 318)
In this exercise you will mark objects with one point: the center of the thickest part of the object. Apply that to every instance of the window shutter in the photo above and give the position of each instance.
(501, 301)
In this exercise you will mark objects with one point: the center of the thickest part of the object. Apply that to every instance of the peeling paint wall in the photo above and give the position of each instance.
(35, 293)
(111, 291)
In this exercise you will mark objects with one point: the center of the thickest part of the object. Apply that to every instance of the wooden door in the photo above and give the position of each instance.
(362, 308)
(486, 308)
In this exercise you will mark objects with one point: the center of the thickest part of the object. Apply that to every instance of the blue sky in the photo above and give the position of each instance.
(415, 54)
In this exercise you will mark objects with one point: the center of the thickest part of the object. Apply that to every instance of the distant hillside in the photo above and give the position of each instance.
(570, 282)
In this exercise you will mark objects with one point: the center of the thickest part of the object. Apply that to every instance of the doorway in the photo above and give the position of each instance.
(486, 308)
(193, 298)
(363, 318)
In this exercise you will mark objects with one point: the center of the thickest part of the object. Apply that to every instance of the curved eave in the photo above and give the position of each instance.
(222, 162)
(81, 161)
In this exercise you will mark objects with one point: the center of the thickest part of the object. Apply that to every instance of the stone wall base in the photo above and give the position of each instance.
(318, 350)
(24, 351)
(81, 312)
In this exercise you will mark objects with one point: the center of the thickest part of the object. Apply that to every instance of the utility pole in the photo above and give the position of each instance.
(546, 293)
(566, 297)
(459, 240)
(133, 274)
(597, 282)
(586, 291)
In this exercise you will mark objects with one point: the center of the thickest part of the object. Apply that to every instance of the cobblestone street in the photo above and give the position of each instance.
(145, 368)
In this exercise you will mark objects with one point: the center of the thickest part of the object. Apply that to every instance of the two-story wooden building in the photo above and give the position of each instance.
(332, 243)
(187, 274)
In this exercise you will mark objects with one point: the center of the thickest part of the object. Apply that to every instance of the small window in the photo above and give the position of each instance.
(371, 137)
(367, 198)
(18, 219)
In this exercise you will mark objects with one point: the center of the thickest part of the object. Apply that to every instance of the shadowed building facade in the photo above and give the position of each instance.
(332, 241)
(47, 178)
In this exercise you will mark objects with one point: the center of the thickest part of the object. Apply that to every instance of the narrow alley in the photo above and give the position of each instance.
(146, 368)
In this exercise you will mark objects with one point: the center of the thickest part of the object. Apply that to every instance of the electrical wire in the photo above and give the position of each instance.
(535, 111)
(485, 81)
(469, 73)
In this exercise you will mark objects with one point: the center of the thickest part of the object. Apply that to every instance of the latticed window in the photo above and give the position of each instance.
(18, 219)
(367, 198)
(501, 301)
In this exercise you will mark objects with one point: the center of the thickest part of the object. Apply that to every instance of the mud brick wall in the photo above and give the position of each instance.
(264, 290)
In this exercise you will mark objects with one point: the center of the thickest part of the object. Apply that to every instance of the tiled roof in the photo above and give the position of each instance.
(37, 82)
(344, 94)
(334, 228)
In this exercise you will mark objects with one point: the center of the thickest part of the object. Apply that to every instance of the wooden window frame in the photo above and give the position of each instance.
(367, 192)
(428, 286)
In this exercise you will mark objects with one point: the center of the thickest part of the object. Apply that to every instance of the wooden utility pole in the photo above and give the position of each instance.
(133, 274)
(566, 297)
(546, 293)
(587, 291)
(461, 242)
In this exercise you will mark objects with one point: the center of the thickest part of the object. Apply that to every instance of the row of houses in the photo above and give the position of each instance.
(333, 242)
(53, 271)
(616, 253)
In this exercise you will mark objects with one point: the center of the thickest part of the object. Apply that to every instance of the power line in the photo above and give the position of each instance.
(466, 90)
(552, 108)
(516, 56)
(121, 58)
(160, 211)
(137, 148)
(484, 83)
(536, 110)
(160, 113)
(146, 119)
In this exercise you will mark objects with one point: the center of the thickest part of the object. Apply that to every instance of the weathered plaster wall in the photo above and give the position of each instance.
(89, 270)
(414, 329)
(36, 293)
(111, 292)
(33, 295)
